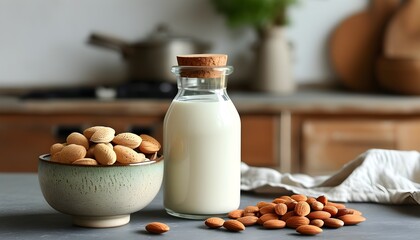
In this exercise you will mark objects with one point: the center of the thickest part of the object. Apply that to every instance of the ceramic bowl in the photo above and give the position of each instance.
(99, 196)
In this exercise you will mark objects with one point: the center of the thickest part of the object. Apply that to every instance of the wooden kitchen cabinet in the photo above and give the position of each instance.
(260, 140)
(328, 143)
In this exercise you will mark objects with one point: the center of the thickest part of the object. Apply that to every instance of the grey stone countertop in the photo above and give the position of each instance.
(306, 100)
(24, 214)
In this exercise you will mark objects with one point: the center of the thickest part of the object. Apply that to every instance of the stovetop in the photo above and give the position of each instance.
(128, 90)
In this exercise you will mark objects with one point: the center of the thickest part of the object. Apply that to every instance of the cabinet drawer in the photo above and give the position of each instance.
(330, 143)
(260, 140)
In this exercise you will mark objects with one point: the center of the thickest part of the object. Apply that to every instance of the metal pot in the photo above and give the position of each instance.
(152, 58)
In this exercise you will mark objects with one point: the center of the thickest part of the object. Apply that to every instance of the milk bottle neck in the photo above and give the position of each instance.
(193, 85)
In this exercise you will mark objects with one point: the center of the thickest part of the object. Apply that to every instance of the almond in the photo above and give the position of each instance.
(88, 132)
(233, 225)
(127, 139)
(103, 135)
(149, 144)
(248, 220)
(280, 209)
(317, 222)
(344, 211)
(157, 227)
(331, 209)
(55, 148)
(337, 205)
(251, 209)
(77, 138)
(267, 209)
(352, 219)
(310, 200)
(104, 154)
(214, 222)
(333, 223)
(287, 215)
(302, 208)
(126, 155)
(308, 230)
(299, 197)
(71, 153)
(291, 205)
(274, 224)
(318, 215)
(269, 216)
(322, 199)
(263, 204)
(85, 161)
(296, 221)
(317, 206)
(280, 200)
(236, 213)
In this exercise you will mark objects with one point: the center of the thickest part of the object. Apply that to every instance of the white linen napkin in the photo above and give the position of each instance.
(382, 176)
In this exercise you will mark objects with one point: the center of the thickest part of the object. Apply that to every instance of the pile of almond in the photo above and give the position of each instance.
(99, 145)
(308, 215)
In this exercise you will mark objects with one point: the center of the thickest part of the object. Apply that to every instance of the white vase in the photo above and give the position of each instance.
(274, 71)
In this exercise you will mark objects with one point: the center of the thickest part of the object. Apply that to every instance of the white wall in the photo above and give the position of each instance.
(43, 42)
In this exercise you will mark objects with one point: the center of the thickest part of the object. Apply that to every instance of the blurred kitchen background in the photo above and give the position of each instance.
(44, 42)
(349, 69)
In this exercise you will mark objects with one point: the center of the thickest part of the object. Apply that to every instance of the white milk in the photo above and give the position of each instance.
(202, 157)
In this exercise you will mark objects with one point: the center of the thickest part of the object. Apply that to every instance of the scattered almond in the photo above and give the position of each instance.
(333, 223)
(317, 206)
(267, 209)
(331, 209)
(236, 213)
(280, 209)
(317, 222)
(214, 222)
(352, 219)
(305, 214)
(269, 216)
(233, 225)
(296, 221)
(274, 224)
(318, 215)
(302, 208)
(322, 199)
(157, 227)
(248, 220)
(308, 230)
(299, 197)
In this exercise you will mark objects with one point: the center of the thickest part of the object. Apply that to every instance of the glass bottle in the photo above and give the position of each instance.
(202, 144)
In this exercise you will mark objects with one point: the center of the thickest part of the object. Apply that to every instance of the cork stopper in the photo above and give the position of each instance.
(206, 61)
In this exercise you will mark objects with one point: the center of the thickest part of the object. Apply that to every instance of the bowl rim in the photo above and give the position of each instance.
(46, 158)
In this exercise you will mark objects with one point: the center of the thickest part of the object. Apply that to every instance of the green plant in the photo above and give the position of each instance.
(260, 14)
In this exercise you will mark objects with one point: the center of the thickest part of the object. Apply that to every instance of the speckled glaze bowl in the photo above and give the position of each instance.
(99, 196)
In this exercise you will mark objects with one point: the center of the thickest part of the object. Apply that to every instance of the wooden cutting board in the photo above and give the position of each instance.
(357, 42)
(402, 37)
